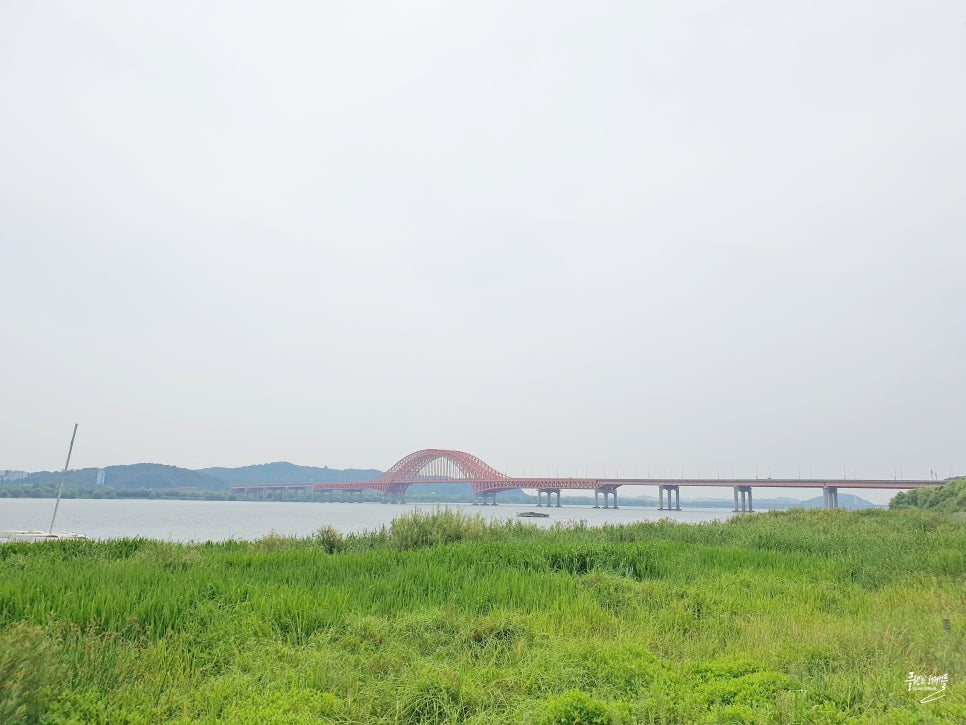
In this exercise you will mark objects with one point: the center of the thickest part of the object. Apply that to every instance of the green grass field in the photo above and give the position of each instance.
(795, 617)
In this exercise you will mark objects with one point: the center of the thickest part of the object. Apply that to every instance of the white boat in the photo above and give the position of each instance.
(10, 537)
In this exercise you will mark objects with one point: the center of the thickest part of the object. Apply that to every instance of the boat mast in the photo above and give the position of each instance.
(62, 479)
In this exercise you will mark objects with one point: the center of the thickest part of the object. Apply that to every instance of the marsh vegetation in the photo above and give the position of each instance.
(793, 617)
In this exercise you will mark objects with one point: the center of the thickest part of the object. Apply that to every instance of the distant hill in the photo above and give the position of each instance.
(159, 476)
(455, 492)
(781, 502)
(846, 501)
(282, 472)
(136, 476)
(950, 498)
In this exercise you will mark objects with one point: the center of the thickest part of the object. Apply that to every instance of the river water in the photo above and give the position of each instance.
(175, 520)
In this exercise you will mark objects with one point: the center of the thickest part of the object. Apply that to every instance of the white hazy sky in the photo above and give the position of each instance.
(562, 236)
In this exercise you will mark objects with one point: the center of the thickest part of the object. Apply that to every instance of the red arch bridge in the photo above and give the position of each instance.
(435, 465)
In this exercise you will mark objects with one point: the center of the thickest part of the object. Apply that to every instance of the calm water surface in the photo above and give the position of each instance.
(220, 520)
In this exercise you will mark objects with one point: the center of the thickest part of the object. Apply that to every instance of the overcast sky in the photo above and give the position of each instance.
(562, 236)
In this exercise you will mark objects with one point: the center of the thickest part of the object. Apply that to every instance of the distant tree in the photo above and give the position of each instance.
(949, 498)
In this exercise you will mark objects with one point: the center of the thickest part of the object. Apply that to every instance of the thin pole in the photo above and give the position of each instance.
(62, 479)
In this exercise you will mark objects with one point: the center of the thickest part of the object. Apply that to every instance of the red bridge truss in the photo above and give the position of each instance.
(437, 465)
(432, 465)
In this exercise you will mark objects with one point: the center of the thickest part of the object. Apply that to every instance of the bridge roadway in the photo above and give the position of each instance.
(436, 465)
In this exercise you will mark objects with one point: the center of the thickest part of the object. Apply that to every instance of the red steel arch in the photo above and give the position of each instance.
(428, 465)
(419, 466)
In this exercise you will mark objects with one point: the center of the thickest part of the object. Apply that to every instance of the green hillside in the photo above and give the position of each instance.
(283, 472)
(159, 477)
(135, 476)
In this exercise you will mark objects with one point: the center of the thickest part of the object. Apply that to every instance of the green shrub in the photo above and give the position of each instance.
(443, 526)
(437, 697)
(575, 708)
(330, 539)
(28, 670)
(295, 707)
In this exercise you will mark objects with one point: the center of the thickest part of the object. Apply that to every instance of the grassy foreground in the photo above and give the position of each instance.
(794, 617)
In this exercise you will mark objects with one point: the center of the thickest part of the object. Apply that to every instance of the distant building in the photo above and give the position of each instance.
(100, 476)
(10, 475)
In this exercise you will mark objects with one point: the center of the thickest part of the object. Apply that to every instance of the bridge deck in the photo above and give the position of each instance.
(590, 484)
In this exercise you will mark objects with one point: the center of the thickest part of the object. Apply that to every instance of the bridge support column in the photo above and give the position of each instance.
(607, 491)
(830, 497)
(392, 496)
(549, 492)
(673, 498)
(745, 505)
(487, 498)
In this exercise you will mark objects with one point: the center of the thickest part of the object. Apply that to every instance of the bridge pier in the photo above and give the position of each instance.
(395, 493)
(550, 492)
(830, 497)
(674, 505)
(606, 490)
(744, 494)
(487, 498)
